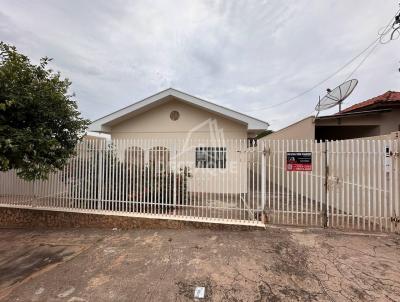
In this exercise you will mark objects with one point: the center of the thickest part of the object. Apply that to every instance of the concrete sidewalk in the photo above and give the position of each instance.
(276, 264)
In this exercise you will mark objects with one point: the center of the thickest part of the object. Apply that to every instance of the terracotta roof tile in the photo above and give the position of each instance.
(388, 97)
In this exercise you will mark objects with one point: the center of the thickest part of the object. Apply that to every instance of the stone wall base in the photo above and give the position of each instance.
(33, 218)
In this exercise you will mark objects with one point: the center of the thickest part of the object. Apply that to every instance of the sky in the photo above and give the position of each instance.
(244, 55)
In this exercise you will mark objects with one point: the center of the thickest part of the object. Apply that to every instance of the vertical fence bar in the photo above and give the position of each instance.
(279, 201)
(325, 201)
(273, 180)
(355, 184)
(285, 188)
(263, 176)
(385, 178)
(174, 173)
(339, 185)
(117, 175)
(78, 177)
(359, 189)
(301, 188)
(307, 189)
(345, 182)
(141, 175)
(391, 178)
(89, 169)
(369, 191)
(100, 172)
(84, 180)
(111, 173)
(131, 152)
(374, 186)
(397, 176)
(123, 164)
(312, 183)
(363, 183)
(90, 166)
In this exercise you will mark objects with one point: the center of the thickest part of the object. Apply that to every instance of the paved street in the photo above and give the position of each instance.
(276, 264)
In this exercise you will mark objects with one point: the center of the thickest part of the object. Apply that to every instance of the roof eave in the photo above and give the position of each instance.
(100, 125)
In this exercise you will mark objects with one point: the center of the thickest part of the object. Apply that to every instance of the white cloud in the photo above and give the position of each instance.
(247, 55)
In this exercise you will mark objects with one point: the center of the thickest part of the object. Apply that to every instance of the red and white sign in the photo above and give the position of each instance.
(298, 161)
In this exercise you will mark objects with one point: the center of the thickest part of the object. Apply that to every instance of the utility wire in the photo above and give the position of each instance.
(374, 44)
(320, 82)
(362, 61)
(394, 28)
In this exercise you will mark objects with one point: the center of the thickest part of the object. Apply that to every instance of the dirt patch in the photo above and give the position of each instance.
(98, 280)
(33, 259)
(265, 294)
(290, 258)
(19, 265)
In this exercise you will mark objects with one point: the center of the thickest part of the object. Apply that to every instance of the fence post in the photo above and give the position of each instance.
(33, 200)
(174, 151)
(395, 217)
(325, 201)
(100, 175)
(397, 178)
(263, 179)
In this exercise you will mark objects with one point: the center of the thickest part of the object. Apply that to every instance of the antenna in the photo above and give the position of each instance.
(336, 96)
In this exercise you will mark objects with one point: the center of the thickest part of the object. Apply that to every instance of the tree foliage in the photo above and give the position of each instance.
(264, 133)
(39, 121)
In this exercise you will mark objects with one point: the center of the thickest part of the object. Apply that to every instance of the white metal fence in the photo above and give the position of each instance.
(353, 184)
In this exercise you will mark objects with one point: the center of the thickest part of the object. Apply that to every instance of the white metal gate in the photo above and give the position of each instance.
(352, 184)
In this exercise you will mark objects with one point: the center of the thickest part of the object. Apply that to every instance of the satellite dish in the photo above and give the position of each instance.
(336, 96)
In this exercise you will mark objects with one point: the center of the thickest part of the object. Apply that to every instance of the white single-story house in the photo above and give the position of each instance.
(180, 129)
(172, 114)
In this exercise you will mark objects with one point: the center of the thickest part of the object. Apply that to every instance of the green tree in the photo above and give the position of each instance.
(39, 121)
(264, 133)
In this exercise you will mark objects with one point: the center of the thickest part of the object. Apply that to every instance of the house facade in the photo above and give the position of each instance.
(172, 114)
(178, 130)
(378, 116)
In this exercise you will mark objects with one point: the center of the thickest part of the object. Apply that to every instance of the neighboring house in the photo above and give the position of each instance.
(173, 127)
(374, 117)
(89, 137)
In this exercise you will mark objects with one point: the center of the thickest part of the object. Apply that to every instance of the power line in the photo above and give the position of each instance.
(374, 44)
(394, 28)
(362, 61)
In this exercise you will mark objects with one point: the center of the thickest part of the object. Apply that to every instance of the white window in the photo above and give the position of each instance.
(211, 157)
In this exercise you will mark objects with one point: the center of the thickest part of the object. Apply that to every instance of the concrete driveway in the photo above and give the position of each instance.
(276, 264)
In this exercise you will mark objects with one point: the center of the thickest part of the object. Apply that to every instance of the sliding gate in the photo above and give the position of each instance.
(350, 184)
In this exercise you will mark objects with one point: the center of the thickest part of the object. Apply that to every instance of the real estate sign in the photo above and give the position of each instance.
(298, 161)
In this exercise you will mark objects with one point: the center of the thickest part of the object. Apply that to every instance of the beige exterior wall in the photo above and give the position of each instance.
(194, 122)
(387, 122)
(195, 127)
(304, 129)
(393, 135)
(378, 124)
(182, 153)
